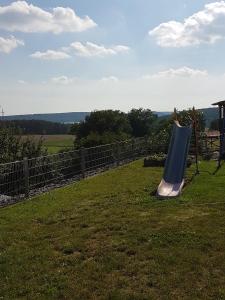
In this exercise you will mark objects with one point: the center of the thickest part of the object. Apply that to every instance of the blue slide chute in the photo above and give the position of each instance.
(173, 177)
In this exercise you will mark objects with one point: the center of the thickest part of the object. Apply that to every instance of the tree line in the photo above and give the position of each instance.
(40, 127)
(108, 126)
(98, 128)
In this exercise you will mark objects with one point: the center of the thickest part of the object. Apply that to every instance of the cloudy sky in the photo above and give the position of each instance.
(80, 55)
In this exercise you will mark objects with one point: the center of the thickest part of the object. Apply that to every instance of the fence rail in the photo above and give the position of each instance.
(28, 177)
(20, 179)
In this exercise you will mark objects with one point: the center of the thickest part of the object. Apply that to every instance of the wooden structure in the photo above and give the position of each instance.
(221, 106)
(195, 125)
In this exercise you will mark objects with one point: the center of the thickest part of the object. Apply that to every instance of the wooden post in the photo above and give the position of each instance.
(221, 139)
(195, 125)
(223, 131)
(221, 128)
(221, 107)
(206, 145)
(26, 176)
(82, 161)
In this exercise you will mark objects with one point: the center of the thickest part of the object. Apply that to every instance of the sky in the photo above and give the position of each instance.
(84, 55)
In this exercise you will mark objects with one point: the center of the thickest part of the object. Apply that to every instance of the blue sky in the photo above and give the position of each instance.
(131, 53)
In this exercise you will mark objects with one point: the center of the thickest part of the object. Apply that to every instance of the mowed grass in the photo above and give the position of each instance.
(55, 143)
(108, 237)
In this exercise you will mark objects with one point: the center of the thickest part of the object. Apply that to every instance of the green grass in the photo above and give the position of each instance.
(57, 142)
(107, 238)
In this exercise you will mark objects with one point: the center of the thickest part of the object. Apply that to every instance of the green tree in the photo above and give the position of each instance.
(74, 128)
(142, 121)
(160, 136)
(101, 127)
(186, 117)
(214, 125)
(13, 147)
(36, 127)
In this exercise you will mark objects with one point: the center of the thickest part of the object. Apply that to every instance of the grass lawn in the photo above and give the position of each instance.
(57, 142)
(107, 238)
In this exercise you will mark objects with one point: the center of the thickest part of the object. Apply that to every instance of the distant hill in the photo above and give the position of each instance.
(70, 117)
(162, 113)
(73, 117)
(210, 114)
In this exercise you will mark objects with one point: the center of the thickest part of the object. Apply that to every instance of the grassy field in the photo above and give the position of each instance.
(55, 143)
(108, 237)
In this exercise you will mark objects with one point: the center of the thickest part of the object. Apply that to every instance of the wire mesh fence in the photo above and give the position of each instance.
(20, 179)
(29, 177)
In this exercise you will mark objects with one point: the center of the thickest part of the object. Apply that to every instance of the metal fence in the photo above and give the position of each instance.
(29, 177)
(21, 179)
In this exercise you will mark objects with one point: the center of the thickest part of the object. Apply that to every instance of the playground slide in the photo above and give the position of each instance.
(173, 178)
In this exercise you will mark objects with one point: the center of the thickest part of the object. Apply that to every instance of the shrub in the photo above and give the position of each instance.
(156, 160)
(13, 147)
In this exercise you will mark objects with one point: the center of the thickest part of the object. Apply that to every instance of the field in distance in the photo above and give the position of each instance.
(55, 143)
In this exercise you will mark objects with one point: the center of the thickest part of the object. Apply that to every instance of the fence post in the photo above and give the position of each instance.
(26, 176)
(146, 145)
(133, 149)
(118, 154)
(82, 161)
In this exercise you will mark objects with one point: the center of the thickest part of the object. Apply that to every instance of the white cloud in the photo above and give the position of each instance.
(110, 79)
(64, 80)
(206, 26)
(90, 49)
(84, 50)
(22, 82)
(8, 44)
(180, 72)
(21, 16)
(50, 55)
